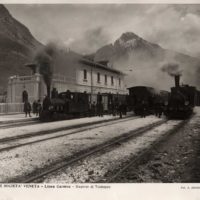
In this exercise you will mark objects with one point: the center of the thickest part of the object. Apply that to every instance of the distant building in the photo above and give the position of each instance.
(81, 76)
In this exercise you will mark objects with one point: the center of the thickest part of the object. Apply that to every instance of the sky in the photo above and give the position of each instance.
(86, 27)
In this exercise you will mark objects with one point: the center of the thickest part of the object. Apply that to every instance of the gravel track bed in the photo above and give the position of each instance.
(93, 168)
(11, 132)
(24, 160)
(176, 160)
(5, 145)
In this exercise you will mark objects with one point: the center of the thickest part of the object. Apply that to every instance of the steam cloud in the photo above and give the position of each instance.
(175, 27)
(90, 40)
(44, 59)
(172, 69)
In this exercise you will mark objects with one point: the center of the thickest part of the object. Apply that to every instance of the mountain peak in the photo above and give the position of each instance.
(129, 36)
(127, 41)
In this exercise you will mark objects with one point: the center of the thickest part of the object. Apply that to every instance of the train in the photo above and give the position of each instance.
(142, 100)
(67, 105)
(179, 103)
(148, 98)
(182, 100)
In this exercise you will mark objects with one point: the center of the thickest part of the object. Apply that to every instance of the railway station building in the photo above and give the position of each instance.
(73, 73)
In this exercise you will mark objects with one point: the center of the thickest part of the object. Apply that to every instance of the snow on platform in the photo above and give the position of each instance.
(15, 117)
(25, 159)
(10, 132)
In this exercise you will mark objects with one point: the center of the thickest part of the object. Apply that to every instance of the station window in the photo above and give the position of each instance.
(112, 80)
(105, 79)
(85, 74)
(119, 82)
(98, 77)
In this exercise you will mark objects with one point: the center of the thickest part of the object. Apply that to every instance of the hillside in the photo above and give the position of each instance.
(142, 62)
(16, 47)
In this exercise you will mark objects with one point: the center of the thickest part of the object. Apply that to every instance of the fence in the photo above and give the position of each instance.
(8, 108)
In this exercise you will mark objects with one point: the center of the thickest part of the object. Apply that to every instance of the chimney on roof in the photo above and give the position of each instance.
(33, 67)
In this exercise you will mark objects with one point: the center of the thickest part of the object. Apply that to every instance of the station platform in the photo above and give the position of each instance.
(15, 117)
(19, 117)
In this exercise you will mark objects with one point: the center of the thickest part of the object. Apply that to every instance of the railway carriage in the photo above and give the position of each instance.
(141, 97)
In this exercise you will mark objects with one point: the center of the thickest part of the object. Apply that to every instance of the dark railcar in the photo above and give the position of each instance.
(146, 98)
(181, 101)
(66, 105)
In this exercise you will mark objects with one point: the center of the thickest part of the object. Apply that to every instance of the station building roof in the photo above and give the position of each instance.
(91, 63)
(99, 65)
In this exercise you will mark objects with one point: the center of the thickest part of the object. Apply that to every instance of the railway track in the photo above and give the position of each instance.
(18, 123)
(37, 175)
(17, 120)
(114, 176)
(80, 127)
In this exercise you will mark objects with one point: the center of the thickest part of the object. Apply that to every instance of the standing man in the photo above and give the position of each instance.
(34, 106)
(46, 103)
(39, 108)
(27, 108)
(143, 109)
(120, 109)
(101, 109)
(93, 109)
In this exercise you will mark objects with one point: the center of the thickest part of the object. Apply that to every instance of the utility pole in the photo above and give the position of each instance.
(91, 85)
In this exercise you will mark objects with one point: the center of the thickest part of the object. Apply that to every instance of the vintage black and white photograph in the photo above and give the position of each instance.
(99, 93)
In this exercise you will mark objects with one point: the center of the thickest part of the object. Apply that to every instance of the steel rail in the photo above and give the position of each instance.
(135, 160)
(48, 132)
(86, 153)
(18, 124)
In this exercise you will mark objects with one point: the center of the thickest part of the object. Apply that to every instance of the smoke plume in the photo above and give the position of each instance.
(89, 41)
(172, 69)
(44, 60)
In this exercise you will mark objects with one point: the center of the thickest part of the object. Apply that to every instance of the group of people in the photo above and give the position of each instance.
(97, 109)
(143, 109)
(159, 109)
(36, 108)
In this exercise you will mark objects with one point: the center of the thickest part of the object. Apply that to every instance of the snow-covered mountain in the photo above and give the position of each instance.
(142, 61)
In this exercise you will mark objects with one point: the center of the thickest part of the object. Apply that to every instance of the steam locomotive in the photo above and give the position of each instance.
(67, 105)
(181, 101)
(177, 104)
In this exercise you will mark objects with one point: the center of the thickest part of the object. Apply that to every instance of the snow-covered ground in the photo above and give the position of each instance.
(23, 160)
(53, 135)
(177, 160)
(96, 166)
(51, 125)
(15, 117)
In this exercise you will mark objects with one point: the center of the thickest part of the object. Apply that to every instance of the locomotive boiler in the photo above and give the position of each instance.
(65, 105)
(181, 101)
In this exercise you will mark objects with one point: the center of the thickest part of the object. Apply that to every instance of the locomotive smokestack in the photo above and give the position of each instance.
(177, 80)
